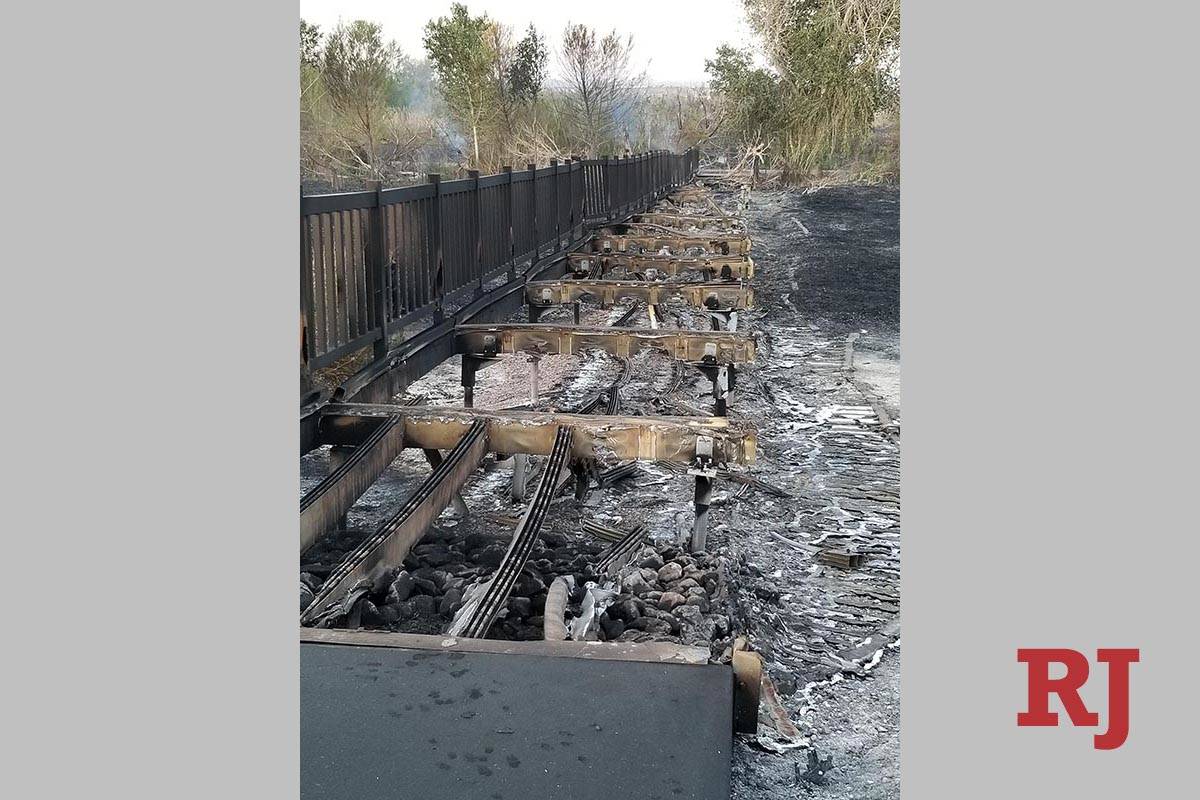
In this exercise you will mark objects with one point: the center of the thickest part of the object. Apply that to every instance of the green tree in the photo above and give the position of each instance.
(462, 61)
(357, 69)
(836, 64)
(527, 70)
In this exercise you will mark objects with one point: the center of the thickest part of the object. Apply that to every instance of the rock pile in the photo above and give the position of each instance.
(669, 595)
(666, 594)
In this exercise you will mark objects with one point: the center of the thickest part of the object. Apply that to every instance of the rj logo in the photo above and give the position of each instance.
(1041, 685)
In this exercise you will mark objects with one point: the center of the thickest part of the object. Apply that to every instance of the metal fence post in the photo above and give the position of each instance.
(435, 234)
(306, 302)
(377, 270)
(537, 245)
(571, 169)
(554, 204)
(607, 172)
(508, 222)
(477, 212)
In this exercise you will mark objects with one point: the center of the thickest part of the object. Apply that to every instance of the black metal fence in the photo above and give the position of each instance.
(374, 262)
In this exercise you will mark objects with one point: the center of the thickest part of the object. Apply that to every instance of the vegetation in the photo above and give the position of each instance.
(822, 97)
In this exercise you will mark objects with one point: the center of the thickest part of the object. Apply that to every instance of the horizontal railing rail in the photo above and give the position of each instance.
(374, 262)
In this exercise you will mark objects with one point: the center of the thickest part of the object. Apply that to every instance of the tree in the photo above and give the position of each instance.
(750, 98)
(310, 44)
(836, 65)
(462, 61)
(357, 68)
(602, 86)
(527, 69)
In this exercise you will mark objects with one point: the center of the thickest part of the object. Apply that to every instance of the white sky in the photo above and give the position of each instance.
(671, 38)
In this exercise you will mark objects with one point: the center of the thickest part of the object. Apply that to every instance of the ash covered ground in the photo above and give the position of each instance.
(825, 382)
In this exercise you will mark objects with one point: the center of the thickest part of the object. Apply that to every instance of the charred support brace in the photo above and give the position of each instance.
(470, 365)
(352, 470)
(339, 457)
(722, 377)
(703, 500)
(434, 457)
(520, 476)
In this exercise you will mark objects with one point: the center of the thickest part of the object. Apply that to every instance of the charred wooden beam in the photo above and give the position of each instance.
(726, 267)
(602, 437)
(391, 542)
(699, 347)
(328, 501)
(712, 296)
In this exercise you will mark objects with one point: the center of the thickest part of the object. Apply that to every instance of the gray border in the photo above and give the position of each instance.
(1047, 316)
(151, 334)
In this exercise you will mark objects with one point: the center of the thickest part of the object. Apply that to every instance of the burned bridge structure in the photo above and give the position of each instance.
(500, 269)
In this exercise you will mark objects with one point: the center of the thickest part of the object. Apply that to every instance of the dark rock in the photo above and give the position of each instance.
(670, 600)
(490, 556)
(369, 614)
(670, 572)
(382, 581)
(555, 539)
(424, 605)
(529, 584)
(683, 586)
(439, 558)
(612, 627)
(311, 581)
(478, 541)
(651, 625)
(636, 584)
(450, 602)
(390, 614)
(698, 599)
(425, 586)
(653, 561)
(520, 607)
(402, 588)
(306, 596)
(624, 610)
(689, 613)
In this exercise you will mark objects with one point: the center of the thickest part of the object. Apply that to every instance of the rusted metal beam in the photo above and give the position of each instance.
(601, 437)
(729, 267)
(712, 296)
(393, 539)
(677, 245)
(693, 220)
(328, 501)
(483, 601)
(700, 347)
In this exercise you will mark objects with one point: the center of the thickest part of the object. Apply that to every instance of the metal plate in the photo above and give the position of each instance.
(437, 725)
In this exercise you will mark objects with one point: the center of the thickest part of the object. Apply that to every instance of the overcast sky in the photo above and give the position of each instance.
(671, 38)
